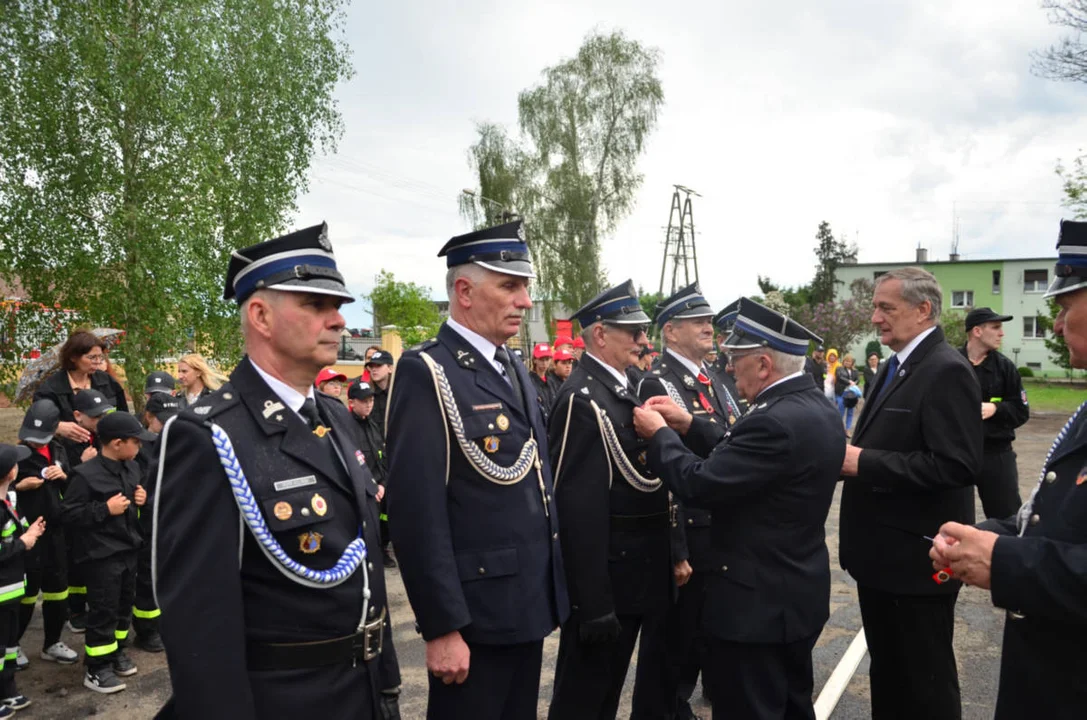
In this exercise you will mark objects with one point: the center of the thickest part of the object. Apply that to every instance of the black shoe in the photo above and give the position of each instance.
(123, 665)
(150, 642)
(389, 704)
(77, 623)
(685, 712)
(390, 561)
(102, 681)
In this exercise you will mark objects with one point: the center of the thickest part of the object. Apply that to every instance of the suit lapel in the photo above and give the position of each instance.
(902, 378)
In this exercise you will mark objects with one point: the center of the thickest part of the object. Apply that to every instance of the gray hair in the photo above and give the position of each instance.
(269, 296)
(918, 285)
(471, 271)
(785, 363)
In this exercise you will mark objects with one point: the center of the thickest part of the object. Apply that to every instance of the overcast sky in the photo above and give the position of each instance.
(884, 119)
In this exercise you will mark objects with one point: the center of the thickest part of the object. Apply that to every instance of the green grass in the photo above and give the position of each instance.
(1051, 397)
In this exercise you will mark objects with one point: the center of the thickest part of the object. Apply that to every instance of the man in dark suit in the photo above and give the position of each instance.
(685, 320)
(1035, 562)
(769, 483)
(263, 513)
(469, 493)
(615, 526)
(916, 451)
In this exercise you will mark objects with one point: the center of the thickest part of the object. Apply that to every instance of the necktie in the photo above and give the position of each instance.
(309, 413)
(892, 370)
(503, 358)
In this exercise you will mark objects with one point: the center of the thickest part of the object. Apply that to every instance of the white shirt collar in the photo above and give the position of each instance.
(286, 393)
(787, 378)
(904, 353)
(694, 369)
(620, 378)
(482, 345)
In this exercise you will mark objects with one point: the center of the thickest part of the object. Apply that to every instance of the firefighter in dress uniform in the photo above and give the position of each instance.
(265, 520)
(686, 323)
(616, 526)
(472, 516)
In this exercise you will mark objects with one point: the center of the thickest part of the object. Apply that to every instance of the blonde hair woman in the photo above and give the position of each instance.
(196, 377)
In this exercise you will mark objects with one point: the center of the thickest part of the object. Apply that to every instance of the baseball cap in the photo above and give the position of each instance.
(360, 391)
(12, 455)
(329, 374)
(562, 340)
(91, 402)
(380, 358)
(561, 355)
(163, 406)
(121, 425)
(40, 422)
(579, 344)
(159, 382)
(541, 350)
(982, 315)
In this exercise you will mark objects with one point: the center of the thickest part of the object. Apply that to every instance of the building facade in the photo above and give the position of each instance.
(1010, 287)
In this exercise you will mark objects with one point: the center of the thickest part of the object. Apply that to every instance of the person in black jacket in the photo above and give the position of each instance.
(360, 401)
(380, 367)
(15, 541)
(769, 482)
(915, 454)
(1003, 409)
(869, 372)
(100, 508)
(1035, 562)
(545, 388)
(41, 480)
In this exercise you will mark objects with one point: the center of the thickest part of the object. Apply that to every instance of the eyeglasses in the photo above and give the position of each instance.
(95, 358)
(733, 357)
(635, 331)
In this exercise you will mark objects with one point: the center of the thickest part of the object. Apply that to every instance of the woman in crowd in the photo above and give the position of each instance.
(846, 377)
(196, 378)
(869, 372)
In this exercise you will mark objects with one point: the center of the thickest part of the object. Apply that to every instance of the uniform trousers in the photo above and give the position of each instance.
(998, 484)
(77, 584)
(145, 613)
(589, 677)
(761, 681)
(47, 573)
(503, 684)
(9, 636)
(912, 672)
(687, 641)
(111, 589)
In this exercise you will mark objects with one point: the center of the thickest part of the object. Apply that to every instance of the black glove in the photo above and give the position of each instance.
(603, 629)
(390, 705)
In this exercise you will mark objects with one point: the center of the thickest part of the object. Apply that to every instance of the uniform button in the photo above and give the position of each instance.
(555, 536)
(363, 524)
(622, 553)
(370, 566)
(483, 571)
(305, 512)
(1050, 476)
(373, 611)
(724, 568)
(1035, 518)
(490, 426)
(690, 521)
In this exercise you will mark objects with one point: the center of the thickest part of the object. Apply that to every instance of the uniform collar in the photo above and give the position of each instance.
(783, 380)
(286, 393)
(691, 367)
(620, 378)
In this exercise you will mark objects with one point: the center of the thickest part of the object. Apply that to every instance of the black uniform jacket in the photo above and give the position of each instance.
(216, 596)
(1002, 386)
(476, 556)
(84, 511)
(615, 537)
(545, 388)
(1041, 578)
(691, 545)
(769, 483)
(44, 500)
(58, 390)
(921, 440)
(372, 445)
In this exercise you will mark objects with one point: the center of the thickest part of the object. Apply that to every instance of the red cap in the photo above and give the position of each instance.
(579, 344)
(542, 350)
(329, 374)
(563, 340)
(561, 355)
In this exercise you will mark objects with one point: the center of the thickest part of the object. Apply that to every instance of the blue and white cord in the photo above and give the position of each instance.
(353, 556)
(1028, 507)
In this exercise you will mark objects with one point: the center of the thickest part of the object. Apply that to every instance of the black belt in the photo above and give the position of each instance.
(636, 523)
(362, 646)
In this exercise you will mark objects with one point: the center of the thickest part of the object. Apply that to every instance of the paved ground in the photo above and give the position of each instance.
(58, 694)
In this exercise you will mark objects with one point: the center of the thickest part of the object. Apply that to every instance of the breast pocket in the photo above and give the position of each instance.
(489, 582)
(288, 511)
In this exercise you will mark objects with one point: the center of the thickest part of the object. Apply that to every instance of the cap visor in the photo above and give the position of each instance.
(519, 268)
(98, 411)
(697, 312)
(1063, 285)
(35, 438)
(316, 287)
(635, 318)
(147, 436)
(150, 390)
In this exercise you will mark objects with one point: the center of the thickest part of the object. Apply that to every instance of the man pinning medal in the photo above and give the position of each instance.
(686, 323)
(471, 515)
(265, 516)
(616, 526)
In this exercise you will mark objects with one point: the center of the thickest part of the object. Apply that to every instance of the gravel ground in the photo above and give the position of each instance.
(57, 691)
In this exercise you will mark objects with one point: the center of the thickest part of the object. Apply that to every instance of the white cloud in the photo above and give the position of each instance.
(877, 118)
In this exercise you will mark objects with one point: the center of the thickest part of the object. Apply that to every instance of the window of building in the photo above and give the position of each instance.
(1035, 280)
(1034, 365)
(962, 298)
(533, 313)
(1032, 328)
(878, 274)
(996, 282)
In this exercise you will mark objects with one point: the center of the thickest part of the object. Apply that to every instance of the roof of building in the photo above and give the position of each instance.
(914, 263)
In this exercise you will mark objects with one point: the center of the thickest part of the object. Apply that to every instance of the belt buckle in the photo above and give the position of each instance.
(372, 638)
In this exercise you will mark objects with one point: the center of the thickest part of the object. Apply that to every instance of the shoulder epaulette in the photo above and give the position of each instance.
(211, 405)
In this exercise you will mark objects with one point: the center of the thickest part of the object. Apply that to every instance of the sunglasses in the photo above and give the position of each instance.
(635, 331)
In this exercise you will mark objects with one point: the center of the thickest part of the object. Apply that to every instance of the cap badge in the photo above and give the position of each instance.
(322, 240)
(98, 400)
(37, 423)
(503, 422)
(309, 542)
